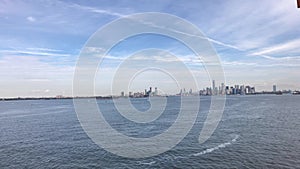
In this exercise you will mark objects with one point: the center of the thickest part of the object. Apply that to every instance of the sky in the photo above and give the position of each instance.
(257, 42)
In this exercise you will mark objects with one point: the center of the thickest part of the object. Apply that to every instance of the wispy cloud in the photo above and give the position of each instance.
(45, 49)
(34, 52)
(235, 63)
(286, 58)
(224, 44)
(249, 26)
(96, 10)
(280, 48)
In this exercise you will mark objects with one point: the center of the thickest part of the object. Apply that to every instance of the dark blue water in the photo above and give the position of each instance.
(255, 132)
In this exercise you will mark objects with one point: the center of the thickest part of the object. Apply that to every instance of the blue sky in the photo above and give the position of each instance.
(257, 41)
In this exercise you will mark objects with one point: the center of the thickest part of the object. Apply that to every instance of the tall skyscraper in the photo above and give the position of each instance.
(214, 89)
(242, 90)
(274, 88)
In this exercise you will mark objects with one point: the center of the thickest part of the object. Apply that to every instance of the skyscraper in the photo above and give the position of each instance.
(213, 87)
(242, 90)
(274, 88)
(222, 91)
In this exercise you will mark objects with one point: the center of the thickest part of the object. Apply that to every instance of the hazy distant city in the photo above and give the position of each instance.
(214, 90)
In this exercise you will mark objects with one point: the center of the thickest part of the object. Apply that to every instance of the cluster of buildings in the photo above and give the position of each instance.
(227, 90)
(213, 90)
(184, 92)
(146, 93)
(241, 90)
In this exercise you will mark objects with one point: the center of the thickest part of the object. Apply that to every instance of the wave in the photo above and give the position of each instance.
(209, 150)
(28, 115)
(148, 163)
(223, 145)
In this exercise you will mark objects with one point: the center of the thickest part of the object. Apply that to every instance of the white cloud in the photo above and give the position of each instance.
(45, 49)
(39, 80)
(235, 63)
(31, 19)
(88, 49)
(20, 75)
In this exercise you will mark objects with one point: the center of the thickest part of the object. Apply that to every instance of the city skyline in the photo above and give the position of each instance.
(39, 48)
(221, 89)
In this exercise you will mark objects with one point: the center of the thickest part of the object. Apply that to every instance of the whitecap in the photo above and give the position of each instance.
(148, 163)
(223, 145)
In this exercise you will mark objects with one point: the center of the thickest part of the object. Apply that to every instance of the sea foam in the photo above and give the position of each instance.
(223, 145)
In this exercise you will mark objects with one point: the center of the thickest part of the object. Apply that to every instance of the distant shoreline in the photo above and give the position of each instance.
(111, 97)
(54, 98)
